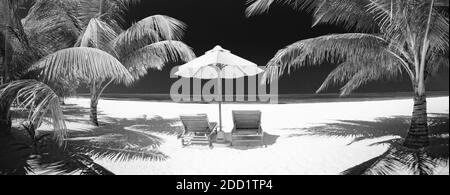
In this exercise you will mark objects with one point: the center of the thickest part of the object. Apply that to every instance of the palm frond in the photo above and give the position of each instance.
(397, 158)
(442, 3)
(438, 61)
(148, 31)
(405, 21)
(120, 155)
(418, 162)
(98, 34)
(353, 47)
(342, 73)
(50, 28)
(66, 161)
(157, 55)
(258, 7)
(351, 14)
(74, 164)
(41, 102)
(371, 72)
(261, 6)
(384, 164)
(111, 11)
(83, 63)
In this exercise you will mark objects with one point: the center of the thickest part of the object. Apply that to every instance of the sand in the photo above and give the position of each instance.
(292, 147)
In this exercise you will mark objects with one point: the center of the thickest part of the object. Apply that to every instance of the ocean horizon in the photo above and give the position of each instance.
(282, 98)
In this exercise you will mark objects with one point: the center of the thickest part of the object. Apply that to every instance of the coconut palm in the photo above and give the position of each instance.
(22, 45)
(33, 37)
(62, 21)
(149, 43)
(39, 100)
(390, 38)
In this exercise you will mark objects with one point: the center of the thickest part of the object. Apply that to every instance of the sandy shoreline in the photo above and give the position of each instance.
(294, 146)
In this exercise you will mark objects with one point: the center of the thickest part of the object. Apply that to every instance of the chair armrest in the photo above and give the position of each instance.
(233, 131)
(182, 133)
(213, 126)
(260, 131)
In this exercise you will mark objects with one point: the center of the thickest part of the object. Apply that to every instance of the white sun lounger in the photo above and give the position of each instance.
(247, 127)
(197, 130)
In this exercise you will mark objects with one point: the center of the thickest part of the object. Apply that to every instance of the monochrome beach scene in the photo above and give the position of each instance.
(219, 87)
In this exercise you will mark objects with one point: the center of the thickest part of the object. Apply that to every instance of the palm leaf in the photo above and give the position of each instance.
(41, 102)
(406, 21)
(350, 14)
(112, 11)
(83, 63)
(148, 31)
(384, 164)
(120, 155)
(66, 161)
(98, 34)
(156, 55)
(337, 48)
(73, 164)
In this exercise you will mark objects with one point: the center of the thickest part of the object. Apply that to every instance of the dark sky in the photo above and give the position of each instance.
(223, 22)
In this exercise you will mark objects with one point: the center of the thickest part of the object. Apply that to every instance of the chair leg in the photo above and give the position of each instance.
(262, 142)
(210, 143)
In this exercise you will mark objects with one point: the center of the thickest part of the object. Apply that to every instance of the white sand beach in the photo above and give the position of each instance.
(296, 136)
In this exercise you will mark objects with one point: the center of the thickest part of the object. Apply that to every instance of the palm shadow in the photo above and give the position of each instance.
(115, 140)
(75, 113)
(268, 140)
(397, 157)
(13, 159)
(416, 161)
(381, 127)
(125, 139)
(20, 156)
(120, 139)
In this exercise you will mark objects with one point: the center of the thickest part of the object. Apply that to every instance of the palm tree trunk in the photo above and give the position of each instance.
(5, 64)
(94, 118)
(5, 119)
(94, 103)
(418, 132)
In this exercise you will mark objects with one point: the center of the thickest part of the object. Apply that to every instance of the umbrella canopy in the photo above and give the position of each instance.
(219, 64)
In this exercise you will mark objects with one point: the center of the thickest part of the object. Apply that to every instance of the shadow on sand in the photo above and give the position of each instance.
(268, 140)
(397, 157)
(115, 139)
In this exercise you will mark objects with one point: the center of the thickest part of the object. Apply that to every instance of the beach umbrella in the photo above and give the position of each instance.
(219, 64)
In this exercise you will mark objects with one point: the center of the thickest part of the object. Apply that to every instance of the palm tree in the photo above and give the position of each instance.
(42, 41)
(39, 100)
(23, 43)
(149, 43)
(391, 38)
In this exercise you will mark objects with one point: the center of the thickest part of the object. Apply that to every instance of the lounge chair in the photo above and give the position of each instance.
(197, 130)
(247, 127)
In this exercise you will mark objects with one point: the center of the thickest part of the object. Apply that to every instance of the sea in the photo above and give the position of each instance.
(268, 99)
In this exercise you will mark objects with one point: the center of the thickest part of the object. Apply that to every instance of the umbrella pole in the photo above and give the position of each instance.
(220, 103)
(220, 115)
(220, 138)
